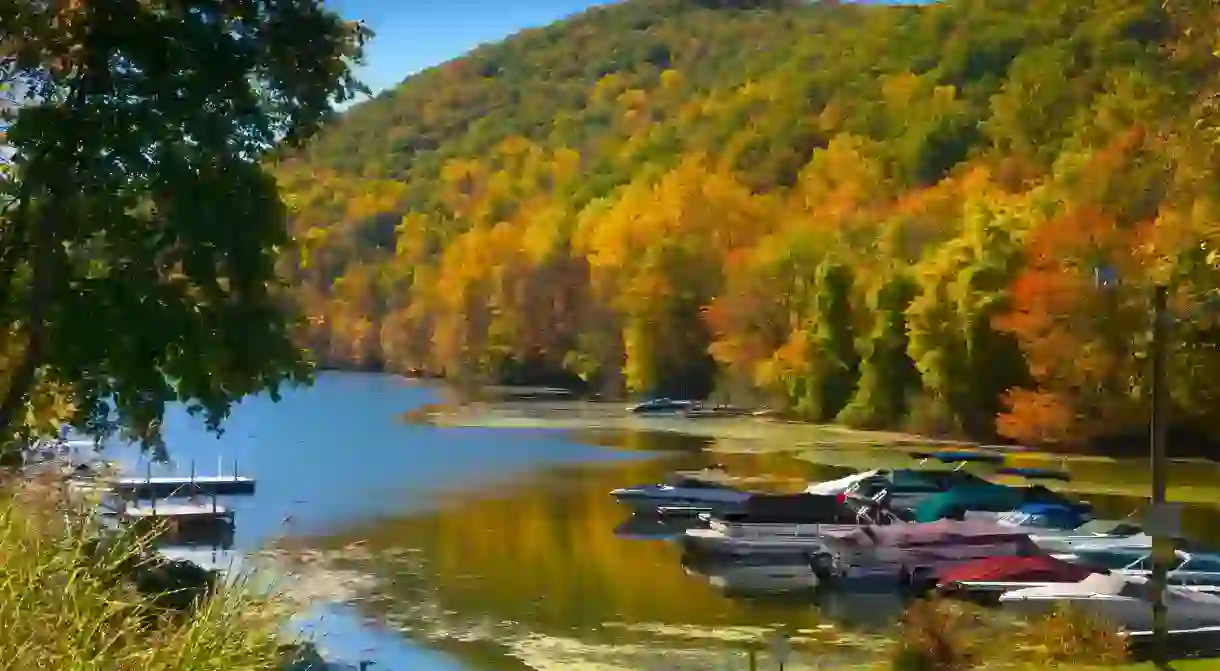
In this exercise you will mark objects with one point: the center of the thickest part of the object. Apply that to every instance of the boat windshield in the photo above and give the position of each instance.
(691, 482)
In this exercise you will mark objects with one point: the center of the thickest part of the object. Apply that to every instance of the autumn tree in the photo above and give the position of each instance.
(139, 230)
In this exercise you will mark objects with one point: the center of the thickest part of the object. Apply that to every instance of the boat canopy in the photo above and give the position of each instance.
(794, 509)
(941, 532)
(919, 480)
(693, 481)
(1035, 473)
(1038, 568)
(989, 497)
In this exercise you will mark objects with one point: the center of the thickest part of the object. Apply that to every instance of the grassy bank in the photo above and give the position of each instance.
(69, 606)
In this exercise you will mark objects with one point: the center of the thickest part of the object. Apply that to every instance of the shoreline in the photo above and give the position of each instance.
(1192, 481)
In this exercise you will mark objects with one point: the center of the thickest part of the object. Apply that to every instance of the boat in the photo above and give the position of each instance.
(793, 524)
(701, 491)
(704, 412)
(990, 497)
(908, 486)
(662, 405)
(1194, 569)
(925, 495)
(917, 553)
(986, 579)
(1124, 600)
(1064, 544)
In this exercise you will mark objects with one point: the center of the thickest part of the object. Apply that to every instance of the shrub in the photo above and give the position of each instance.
(1072, 635)
(943, 635)
(70, 603)
(937, 635)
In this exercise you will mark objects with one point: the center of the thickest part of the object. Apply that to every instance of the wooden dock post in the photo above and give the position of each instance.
(152, 498)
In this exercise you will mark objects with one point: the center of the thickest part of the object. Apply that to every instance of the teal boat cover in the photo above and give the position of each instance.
(986, 497)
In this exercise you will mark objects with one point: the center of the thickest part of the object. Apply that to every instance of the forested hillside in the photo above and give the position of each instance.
(885, 216)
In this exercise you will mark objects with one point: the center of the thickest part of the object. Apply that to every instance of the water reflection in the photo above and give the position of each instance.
(550, 556)
(553, 555)
(653, 527)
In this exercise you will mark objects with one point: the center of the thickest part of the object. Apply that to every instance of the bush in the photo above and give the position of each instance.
(943, 635)
(937, 636)
(70, 603)
(1071, 635)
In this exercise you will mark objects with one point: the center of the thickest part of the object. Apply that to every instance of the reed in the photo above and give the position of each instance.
(70, 603)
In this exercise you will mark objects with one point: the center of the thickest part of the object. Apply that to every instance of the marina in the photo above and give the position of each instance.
(1025, 550)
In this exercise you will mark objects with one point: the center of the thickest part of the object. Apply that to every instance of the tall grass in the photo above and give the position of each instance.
(68, 603)
(946, 635)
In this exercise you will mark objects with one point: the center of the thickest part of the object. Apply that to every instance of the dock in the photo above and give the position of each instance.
(181, 523)
(171, 486)
(177, 511)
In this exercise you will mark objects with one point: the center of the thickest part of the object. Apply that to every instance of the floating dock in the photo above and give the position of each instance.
(163, 487)
(201, 512)
(181, 523)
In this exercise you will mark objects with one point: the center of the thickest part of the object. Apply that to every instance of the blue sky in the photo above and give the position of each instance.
(415, 34)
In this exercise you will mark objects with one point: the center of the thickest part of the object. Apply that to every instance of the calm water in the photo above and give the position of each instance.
(500, 548)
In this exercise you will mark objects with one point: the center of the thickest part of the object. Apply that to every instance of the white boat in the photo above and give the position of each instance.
(779, 524)
(1124, 600)
(1192, 569)
(698, 490)
(846, 484)
(1068, 543)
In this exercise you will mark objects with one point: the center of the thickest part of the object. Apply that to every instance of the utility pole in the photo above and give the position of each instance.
(1161, 545)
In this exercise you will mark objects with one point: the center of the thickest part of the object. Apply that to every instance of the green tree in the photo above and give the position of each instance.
(138, 229)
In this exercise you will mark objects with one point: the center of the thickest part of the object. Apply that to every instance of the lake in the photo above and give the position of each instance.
(490, 548)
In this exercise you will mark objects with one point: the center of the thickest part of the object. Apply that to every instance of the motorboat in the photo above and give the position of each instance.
(1122, 599)
(662, 405)
(783, 524)
(911, 482)
(986, 579)
(1193, 569)
(702, 491)
(917, 553)
(1063, 544)
(925, 495)
(990, 497)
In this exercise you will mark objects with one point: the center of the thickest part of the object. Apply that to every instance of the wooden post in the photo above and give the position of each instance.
(194, 485)
(1159, 431)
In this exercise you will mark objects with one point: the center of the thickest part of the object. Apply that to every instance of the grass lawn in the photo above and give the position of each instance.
(1192, 665)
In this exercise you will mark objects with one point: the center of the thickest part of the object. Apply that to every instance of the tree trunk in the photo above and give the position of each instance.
(21, 381)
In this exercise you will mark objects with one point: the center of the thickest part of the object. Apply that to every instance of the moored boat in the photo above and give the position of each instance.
(662, 405)
(1123, 600)
(782, 524)
(917, 553)
(701, 491)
